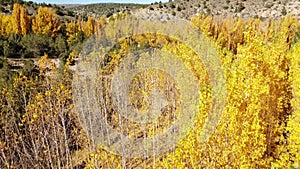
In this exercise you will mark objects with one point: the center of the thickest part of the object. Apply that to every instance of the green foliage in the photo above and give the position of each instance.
(102, 9)
(240, 7)
(59, 12)
(78, 41)
(269, 5)
(6, 75)
(29, 69)
(11, 2)
(283, 11)
(11, 46)
(225, 7)
(70, 13)
(173, 13)
(61, 46)
(173, 6)
(37, 44)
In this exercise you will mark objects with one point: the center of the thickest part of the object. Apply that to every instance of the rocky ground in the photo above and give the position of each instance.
(265, 9)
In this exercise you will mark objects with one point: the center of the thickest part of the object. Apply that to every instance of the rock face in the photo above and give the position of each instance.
(266, 9)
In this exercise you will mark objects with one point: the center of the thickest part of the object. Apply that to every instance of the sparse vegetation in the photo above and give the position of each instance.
(240, 7)
(178, 9)
(173, 13)
(269, 5)
(225, 7)
(283, 11)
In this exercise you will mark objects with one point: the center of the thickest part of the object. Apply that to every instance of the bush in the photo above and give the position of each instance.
(179, 9)
(70, 13)
(37, 45)
(269, 5)
(29, 68)
(239, 8)
(12, 47)
(60, 46)
(173, 6)
(109, 14)
(283, 11)
(208, 11)
(59, 12)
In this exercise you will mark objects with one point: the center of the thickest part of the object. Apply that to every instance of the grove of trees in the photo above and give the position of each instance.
(260, 125)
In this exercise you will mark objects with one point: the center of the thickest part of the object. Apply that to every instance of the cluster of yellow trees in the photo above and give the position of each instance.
(19, 22)
(45, 22)
(260, 123)
(259, 126)
(261, 63)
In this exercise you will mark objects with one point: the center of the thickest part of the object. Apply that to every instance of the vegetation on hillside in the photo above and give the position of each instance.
(105, 9)
(27, 38)
(39, 127)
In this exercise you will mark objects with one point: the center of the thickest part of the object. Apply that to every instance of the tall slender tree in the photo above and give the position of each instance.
(20, 20)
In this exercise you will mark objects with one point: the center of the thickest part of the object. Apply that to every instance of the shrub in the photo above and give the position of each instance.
(173, 6)
(239, 8)
(269, 5)
(283, 11)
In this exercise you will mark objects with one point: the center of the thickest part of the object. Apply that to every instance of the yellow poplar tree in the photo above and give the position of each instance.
(290, 152)
(72, 30)
(20, 20)
(294, 121)
(6, 25)
(89, 26)
(25, 26)
(46, 21)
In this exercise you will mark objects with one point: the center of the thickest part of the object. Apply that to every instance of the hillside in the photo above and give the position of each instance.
(106, 9)
(266, 9)
(66, 13)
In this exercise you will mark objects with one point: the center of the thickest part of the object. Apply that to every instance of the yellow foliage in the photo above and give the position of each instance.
(6, 25)
(259, 126)
(89, 27)
(72, 31)
(20, 20)
(291, 151)
(46, 22)
(262, 86)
